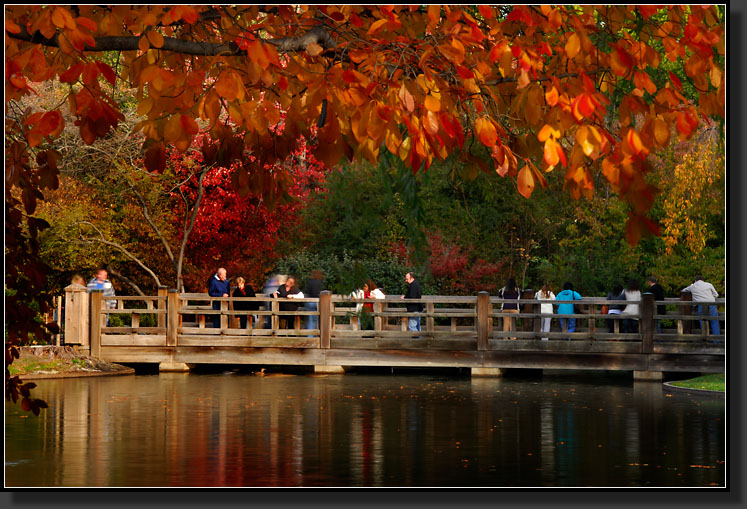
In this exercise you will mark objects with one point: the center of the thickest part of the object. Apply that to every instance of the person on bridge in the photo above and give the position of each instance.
(658, 291)
(632, 293)
(219, 287)
(313, 289)
(413, 292)
(509, 292)
(289, 290)
(100, 282)
(244, 290)
(705, 292)
(545, 293)
(568, 294)
(615, 309)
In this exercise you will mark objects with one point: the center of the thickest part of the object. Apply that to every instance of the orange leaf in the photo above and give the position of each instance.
(12, 27)
(486, 132)
(661, 132)
(430, 123)
(635, 143)
(432, 103)
(173, 130)
(155, 38)
(573, 45)
(551, 152)
(551, 96)
(486, 11)
(523, 79)
(143, 44)
(376, 26)
(189, 125)
(107, 71)
(407, 99)
(227, 86)
(525, 182)
(314, 49)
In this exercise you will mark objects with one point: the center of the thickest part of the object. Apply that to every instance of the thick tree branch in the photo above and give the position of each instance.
(102, 240)
(126, 280)
(188, 228)
(317, 34)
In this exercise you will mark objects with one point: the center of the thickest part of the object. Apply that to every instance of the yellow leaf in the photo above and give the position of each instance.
(376, 26)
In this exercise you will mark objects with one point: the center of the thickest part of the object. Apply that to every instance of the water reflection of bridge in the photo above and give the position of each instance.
(465, 332)
(233, 429)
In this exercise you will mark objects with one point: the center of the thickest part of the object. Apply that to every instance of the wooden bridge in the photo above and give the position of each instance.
(466, 332)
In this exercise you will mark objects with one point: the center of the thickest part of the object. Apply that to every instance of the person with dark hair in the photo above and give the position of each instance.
(615, 309)
(509, 292)
(569, 295)
(705, 292)
(289, 290)
(314, 287)
(632, 293)
(244, 290)
(545, 293)
(413, 292)
(219, 287)
(661, 309)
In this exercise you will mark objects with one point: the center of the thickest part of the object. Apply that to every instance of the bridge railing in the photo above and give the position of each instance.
(446, 322)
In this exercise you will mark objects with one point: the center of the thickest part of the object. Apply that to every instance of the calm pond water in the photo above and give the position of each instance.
(422, 429)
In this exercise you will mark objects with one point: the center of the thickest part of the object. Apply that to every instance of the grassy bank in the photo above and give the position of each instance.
(714, 382)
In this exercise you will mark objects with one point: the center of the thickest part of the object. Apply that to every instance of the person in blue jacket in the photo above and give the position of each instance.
(219, 287)
(568, 294)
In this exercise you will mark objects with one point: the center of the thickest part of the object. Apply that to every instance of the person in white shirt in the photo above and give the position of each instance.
(632, 293)
(546, 309)
(705, 292)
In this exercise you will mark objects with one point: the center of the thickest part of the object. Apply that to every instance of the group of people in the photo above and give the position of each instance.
(285, 288)
(701, 292)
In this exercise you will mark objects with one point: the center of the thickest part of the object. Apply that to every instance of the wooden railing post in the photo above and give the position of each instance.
(163, 291)
(275, 319)
(325, 318)
(527, 324)
(96, 319)
(77, 316)
(685, 326)
(647, 324)
(223, 316)
(378, 322)
(173, 317)
(429, 321)
(483, 303)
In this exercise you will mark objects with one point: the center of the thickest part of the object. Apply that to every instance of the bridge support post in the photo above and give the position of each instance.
(174, 367)
(648, 324)
(172, 317)
(648, 376)
(77, 316)
(487, 371)
(325, 318)
(329, 370)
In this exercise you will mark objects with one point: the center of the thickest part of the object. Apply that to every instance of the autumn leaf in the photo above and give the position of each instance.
(573, 45)
(486, 132)
(525, 182)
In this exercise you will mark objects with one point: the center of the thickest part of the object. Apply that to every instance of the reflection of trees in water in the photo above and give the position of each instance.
(360, 430)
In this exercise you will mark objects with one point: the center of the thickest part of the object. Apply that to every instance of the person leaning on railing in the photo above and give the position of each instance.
(632, 293)
(705, 292)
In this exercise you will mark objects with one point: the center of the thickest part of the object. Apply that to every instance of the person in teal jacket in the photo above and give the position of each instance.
(568, 294)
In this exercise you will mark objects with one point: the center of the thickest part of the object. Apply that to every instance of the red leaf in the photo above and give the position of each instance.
(107, 71)
(72, 74)
(155, 158)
